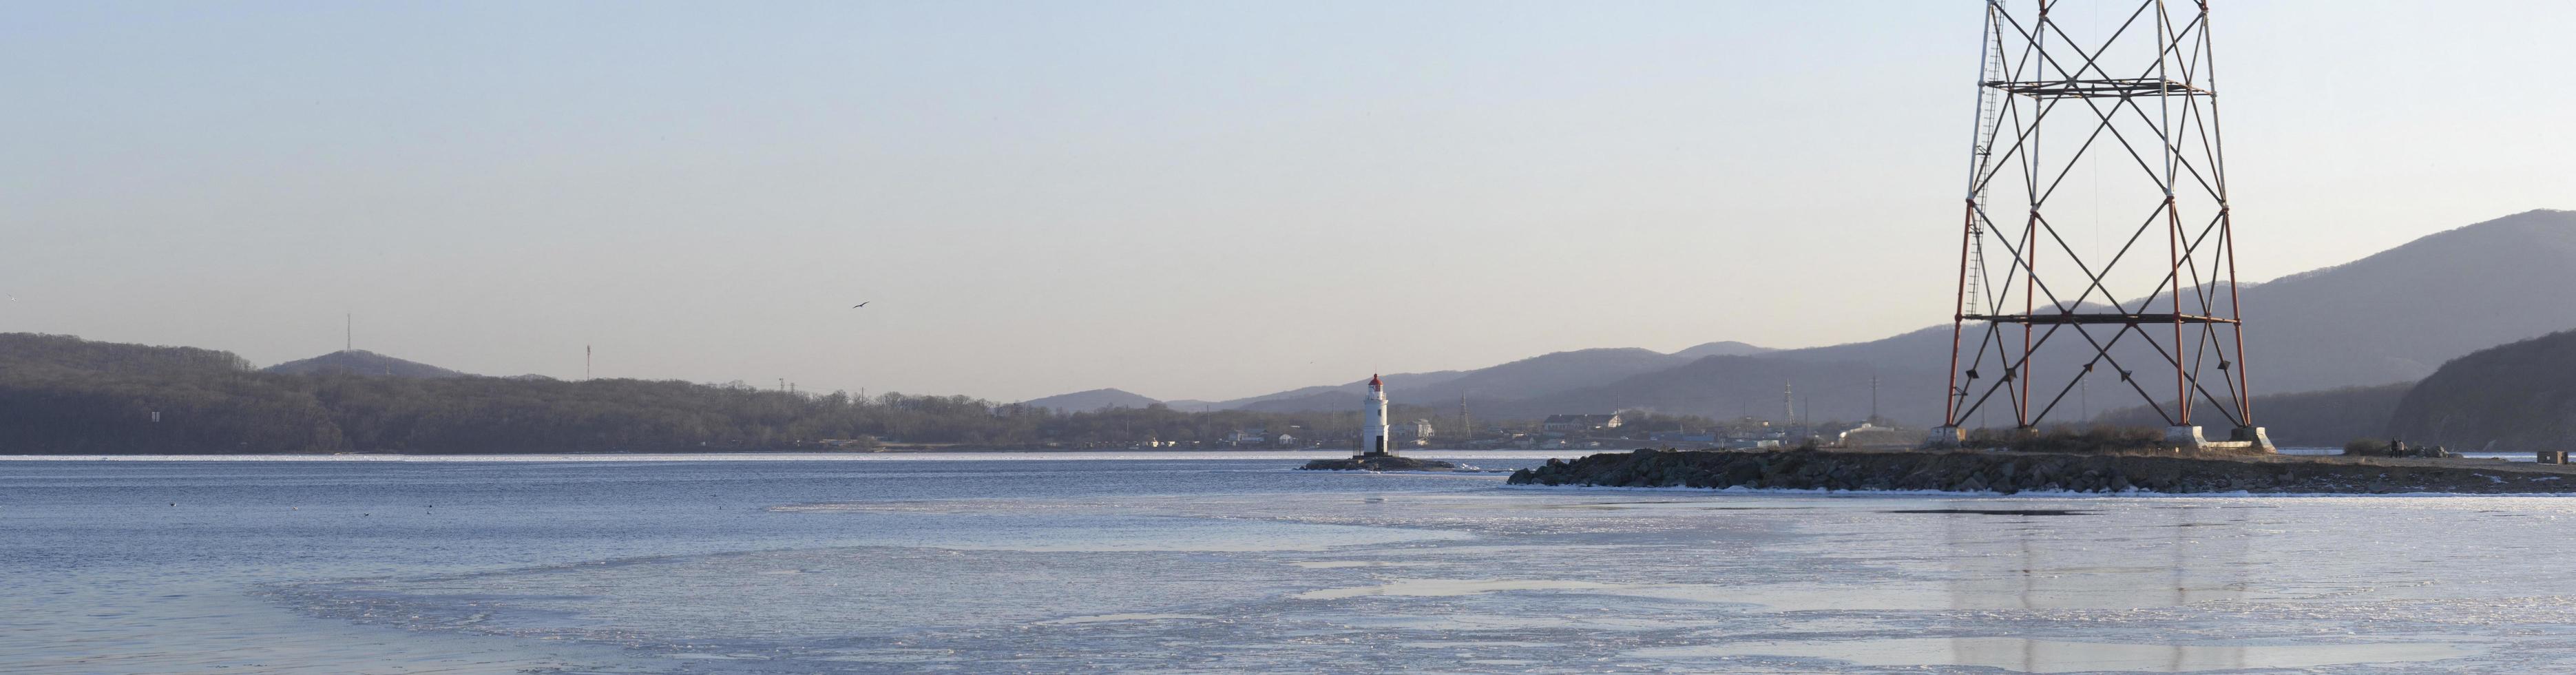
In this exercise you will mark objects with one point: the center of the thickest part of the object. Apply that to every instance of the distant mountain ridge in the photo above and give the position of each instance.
(362, 362)
(1723, 348)
(1525, 378)
(2391, 317)
(1090, 401)
(1537, 375)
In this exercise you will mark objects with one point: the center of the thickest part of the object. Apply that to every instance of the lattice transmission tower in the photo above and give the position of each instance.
(2097, 240)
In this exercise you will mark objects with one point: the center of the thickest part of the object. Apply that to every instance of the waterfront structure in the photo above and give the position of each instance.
(1419, 433)
(1373, 436)
(2129, 107)
(1570, 424)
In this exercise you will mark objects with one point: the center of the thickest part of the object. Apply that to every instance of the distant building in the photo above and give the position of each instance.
(1871, 435)
(1568, 424)
(1419, 432)
(1245, 437)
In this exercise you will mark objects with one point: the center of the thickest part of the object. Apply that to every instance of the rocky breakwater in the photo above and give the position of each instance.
(1378, 463)
(2010, 472)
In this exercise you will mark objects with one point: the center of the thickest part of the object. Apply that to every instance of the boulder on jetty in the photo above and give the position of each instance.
(1378, 463)
(2010, 472)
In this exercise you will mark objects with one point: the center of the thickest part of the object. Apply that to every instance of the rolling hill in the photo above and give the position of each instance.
(1537, 375)
(2517, 397)
(1088, 401)
(361, 362)
(2392, 317)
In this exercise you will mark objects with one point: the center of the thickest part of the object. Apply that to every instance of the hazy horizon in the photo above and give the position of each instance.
(1180, 200)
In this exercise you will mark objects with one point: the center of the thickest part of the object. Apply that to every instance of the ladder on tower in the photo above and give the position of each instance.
(1990, 101)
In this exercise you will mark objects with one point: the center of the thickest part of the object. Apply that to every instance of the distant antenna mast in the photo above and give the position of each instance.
(1466, 432)
(1873, 399)
(585, 362)
(348, 331)
(1789, 402)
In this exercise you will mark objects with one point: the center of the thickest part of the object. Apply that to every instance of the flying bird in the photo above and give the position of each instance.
(863, 304)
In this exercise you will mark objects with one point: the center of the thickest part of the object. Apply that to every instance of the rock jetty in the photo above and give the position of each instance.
(1378, 463)
(2011, 472)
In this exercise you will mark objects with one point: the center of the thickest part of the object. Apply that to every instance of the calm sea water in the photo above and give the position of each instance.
(1169, 564)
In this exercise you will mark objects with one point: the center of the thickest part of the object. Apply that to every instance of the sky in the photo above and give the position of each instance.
(1187, 200)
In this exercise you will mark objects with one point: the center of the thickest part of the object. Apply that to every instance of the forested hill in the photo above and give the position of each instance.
(361, 362)
(2511, 398)
(1096, 399)
(65, 395)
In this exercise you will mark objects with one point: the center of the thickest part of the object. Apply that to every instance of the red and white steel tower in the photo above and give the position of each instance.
(2096, 240)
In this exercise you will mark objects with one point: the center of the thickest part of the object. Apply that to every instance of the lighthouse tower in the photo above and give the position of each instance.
(1373, 440)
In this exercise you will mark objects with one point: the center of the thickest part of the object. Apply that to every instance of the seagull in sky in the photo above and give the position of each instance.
(863, 304)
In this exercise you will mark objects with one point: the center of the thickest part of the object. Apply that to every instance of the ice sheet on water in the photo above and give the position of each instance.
(863, 592)
(2051, 656)
(1338, 564)
(1582, 580)
(1450, 587)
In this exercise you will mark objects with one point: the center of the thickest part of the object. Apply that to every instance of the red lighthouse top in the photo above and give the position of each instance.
(1373, 381)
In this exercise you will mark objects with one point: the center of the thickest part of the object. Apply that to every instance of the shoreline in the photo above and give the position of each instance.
(2008, 473)
(1055, 455)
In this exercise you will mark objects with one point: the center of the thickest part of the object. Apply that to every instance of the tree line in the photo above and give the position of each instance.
(64, 395)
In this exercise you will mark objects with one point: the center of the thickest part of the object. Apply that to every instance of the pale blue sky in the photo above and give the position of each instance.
(1186, 199)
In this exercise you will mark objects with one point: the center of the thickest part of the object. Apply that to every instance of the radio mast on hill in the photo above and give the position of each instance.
(2131, 99)
(1466, 433)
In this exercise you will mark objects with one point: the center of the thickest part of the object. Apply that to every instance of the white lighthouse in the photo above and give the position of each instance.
(1373, 440)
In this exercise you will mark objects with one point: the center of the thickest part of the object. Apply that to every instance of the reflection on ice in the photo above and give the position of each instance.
(1448, 587)
(2048, 656)
(2089, 591)
(1102, 618)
